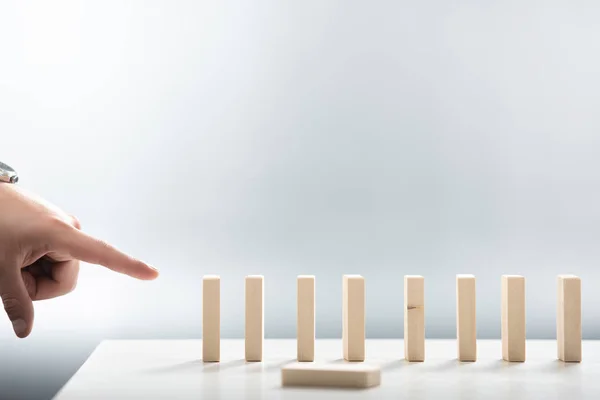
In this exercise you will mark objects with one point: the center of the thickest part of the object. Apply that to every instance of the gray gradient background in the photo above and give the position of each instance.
(314, 137)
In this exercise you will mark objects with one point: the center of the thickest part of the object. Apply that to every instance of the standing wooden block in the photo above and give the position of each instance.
(513, 318)
(306, 318)
(255, 321)
(211, 318)
(466, 326)
(414, 318)
(568, 327)
(353, 331)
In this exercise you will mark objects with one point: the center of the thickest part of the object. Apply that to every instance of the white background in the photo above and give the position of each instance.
(315, 137)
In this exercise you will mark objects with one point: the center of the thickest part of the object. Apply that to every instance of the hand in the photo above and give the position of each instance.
(40, 250)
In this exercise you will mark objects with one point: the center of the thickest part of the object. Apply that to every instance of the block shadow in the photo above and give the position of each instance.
(197, 365)
(443, 366)
(321, 389)
(395, 365)
(498, 365)
(279, 365)
(210, 367)
(257, 367)
(557, 366)
(343, 361)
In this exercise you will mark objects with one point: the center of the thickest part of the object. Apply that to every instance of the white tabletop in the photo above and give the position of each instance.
(173, 369)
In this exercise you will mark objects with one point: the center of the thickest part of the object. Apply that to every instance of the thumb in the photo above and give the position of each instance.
(16, 300)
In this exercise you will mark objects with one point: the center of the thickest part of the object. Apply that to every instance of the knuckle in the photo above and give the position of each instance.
(54, 227)
(72, 281)
(72, 286)
(75, 222)
(30, 284)
(103, 245)
(48, 232)
(57, 223)
(12, 306)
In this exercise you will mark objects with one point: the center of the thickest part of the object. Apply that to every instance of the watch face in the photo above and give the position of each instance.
(7, 174)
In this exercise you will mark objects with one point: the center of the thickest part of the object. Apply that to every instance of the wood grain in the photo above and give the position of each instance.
(414, 318)
(306, 318)
(568, 326)
(353, 316)
(254, 318)
(513, 318)
(211, 318)
(341, 375)
(466, 325)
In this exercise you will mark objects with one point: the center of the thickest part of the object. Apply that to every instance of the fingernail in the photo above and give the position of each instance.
(19, 326)
(153, 267)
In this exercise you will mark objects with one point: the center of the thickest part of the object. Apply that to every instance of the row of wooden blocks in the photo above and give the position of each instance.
(353, 317)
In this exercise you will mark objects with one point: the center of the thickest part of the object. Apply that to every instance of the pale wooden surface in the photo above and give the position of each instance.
(211, 318)
(353, 315)
(254, 332)
(305, 329)
(568, 326)
(513, 318)
(173, 369)
(341, 375)
(414, 318)
(466, 325)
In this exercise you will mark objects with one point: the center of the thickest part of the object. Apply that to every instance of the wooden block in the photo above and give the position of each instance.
(513, 318)
(306, 318)
(211, 318)
(342, 375)
(353, 315)
(414, 318)
(254, 317)
(466, 327)
(568, 327)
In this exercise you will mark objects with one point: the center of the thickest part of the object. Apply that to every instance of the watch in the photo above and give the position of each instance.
(7, 174)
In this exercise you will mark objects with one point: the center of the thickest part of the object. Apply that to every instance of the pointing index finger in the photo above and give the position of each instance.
(86, 248)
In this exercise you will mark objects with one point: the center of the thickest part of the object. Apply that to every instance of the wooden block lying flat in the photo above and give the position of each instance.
(306, 318)
(568, 326)
(211, 318)
(513, 318)
(254, 318)
(466, 327)
(343, 375)
(353, 316)
(414, 318)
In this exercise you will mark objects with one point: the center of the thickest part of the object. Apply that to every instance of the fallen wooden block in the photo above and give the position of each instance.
(568, 322)
(342, 375)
